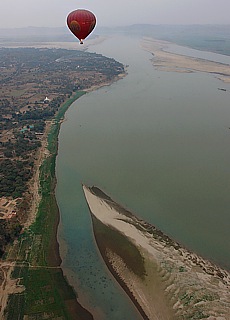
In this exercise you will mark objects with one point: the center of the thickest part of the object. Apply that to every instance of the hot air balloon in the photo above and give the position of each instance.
(81, 23)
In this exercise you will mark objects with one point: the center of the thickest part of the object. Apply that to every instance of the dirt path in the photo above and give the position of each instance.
(34, 183)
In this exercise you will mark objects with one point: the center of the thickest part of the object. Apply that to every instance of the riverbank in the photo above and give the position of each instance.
(167, 61)
(36, 254)
(164, 280)
(34, 260)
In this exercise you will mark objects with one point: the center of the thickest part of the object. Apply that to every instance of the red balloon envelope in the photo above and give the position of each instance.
(81, 23)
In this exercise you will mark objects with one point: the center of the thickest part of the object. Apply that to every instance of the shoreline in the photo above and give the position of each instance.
(40, 256)
(74, 308)
(49, 253)
(176, 283)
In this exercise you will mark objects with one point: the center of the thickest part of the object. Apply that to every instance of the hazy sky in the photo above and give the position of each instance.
(52, 13)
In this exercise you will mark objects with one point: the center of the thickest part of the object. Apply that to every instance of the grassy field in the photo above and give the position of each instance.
(47, 294)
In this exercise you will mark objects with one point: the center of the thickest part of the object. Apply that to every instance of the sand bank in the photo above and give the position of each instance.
(167, 61)
(177, 284)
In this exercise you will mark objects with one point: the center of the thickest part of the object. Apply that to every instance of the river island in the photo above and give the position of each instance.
(164, 60)
(163, 279)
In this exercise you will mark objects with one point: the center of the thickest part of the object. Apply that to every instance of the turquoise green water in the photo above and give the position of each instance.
(156, 142)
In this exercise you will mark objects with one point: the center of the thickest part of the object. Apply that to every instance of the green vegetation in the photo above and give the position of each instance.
(46, 218)
(194, 302)
(8, 232)
(15, 175)
(108, 238)
(47, 292)
(16, 311)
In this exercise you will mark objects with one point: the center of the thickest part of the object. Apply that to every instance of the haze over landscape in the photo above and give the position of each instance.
(24, 13)
(114, 161)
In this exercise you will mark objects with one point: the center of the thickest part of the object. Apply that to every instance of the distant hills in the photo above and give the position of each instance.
(214, 38)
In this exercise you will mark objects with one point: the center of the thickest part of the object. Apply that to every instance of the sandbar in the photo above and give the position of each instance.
(175, 284)
(172, 62)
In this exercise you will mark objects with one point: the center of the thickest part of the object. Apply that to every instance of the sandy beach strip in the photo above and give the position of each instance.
(167, 61)
(177, 284)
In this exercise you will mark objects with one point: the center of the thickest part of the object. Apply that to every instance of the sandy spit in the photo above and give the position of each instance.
(178, 283)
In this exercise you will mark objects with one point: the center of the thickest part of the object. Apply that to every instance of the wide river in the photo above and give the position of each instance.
(159, 144)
